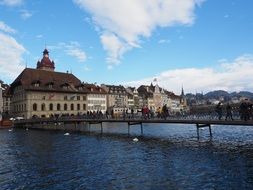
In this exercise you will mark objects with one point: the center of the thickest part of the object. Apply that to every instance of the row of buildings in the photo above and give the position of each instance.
(43, 92)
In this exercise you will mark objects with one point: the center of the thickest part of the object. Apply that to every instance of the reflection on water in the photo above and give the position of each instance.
(167, 157)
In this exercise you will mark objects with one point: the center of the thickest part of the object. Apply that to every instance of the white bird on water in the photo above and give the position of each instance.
(66, 134)
(10, 130)
(135, 139)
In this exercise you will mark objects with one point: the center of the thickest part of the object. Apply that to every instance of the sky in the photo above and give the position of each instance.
(200, 45)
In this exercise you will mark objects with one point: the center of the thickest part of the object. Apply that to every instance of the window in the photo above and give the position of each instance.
(72, 106)
(84, 106)
(43, 107)
(78, 97)
(58, 107)
(78, 106)
(84, 98)
(65, 97)
(51, 107)
(65, 107)
(34, 107)
(37, 84)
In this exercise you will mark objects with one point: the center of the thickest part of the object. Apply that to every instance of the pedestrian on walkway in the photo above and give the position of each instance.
(229, 112)
(218, 110)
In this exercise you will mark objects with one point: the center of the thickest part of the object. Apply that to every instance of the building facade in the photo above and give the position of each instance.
(96, 98)
(116, 96)
(42, 92)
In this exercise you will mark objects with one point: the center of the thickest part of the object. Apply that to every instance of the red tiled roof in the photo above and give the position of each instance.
(93, 89)
(57, 79)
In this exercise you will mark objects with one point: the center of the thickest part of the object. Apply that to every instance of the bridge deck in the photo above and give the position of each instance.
(162, 121)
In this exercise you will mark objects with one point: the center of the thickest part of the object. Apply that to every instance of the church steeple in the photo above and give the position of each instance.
(182, 92)
(46, 63)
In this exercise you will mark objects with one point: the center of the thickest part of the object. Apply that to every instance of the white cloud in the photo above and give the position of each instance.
(11, 2)
(5, 28)
(163, 41)
(25, 14)
(115, 47)
(126, 22)
(72, 49)
(231, 76)
(39, 36)
(11, 62)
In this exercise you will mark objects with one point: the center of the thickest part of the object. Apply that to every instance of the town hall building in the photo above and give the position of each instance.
(43, 92)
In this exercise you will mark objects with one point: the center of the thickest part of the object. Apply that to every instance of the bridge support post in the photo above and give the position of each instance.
(101, 125)
(210, 131)
(141, 129)
(134, 123)
(202, 126)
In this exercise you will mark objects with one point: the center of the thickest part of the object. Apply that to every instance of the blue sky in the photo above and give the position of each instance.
(201, 44)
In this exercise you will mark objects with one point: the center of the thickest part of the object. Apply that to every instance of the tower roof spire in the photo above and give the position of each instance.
(45, 63)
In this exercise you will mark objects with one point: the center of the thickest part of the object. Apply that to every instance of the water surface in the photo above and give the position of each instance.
(166, 157)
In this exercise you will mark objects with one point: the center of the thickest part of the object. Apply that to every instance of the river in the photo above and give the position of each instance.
(166, 157)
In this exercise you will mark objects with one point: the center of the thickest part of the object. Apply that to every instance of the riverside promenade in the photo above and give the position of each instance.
(84, 124)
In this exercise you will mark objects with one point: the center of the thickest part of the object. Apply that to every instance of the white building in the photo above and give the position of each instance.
(96, 98)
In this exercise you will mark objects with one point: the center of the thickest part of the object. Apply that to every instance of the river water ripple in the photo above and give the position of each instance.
(166, 157)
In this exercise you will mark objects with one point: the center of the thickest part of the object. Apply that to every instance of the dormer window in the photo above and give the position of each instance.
(65, 86)
(50, 85)
(36, 83)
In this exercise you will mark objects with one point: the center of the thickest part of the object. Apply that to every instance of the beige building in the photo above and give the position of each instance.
(116, 96)
(42, 92)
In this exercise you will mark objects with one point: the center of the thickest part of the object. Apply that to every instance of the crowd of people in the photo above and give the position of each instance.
(245, 111)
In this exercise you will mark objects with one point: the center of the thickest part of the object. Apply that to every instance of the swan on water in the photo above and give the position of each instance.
(66, 134)
(135, 139)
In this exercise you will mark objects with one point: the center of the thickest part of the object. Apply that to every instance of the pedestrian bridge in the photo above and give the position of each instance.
(200, 123)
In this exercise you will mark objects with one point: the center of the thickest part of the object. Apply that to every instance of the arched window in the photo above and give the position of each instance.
(51, 107)
(34, 107)
(43, 107)
(58, 107)
(72, 106)
(65, 107)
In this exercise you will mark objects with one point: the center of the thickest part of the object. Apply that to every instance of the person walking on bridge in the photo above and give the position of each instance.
(229, 112)
(218, 110)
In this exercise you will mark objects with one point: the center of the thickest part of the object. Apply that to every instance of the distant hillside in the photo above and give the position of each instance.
(216, 94)
(242, 94)
(221, 93)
